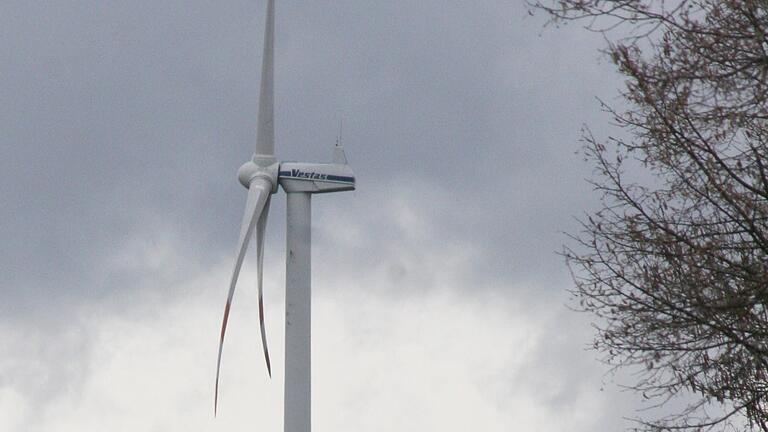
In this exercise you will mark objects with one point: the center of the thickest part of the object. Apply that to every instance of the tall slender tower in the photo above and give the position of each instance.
(262, 175)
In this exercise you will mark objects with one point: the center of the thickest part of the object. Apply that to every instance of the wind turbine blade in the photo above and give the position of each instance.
(265, 135)
(260, 234)
(258, 195)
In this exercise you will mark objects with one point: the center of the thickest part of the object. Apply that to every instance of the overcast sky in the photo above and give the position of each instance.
(439, 299)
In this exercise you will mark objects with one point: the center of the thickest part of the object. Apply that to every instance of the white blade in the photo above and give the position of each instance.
(258, 195)
(265, 134)
(260, 228)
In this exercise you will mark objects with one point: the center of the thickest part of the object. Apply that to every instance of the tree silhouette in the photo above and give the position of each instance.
(675, 264)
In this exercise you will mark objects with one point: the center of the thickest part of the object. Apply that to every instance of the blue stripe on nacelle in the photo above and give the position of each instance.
(327, 177)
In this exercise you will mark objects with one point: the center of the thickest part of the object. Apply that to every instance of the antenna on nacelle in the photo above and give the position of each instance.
(338, 151)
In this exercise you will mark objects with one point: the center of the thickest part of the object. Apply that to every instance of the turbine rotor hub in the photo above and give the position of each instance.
(261, 167)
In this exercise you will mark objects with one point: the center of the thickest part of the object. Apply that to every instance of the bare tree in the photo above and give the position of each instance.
(676, 267)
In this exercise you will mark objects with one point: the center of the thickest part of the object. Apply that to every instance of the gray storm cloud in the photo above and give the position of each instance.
(123, 124)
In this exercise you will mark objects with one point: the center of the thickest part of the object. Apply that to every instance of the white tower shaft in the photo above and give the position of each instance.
(298, 316)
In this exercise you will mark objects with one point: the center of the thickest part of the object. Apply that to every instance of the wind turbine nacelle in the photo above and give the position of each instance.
(316, 177)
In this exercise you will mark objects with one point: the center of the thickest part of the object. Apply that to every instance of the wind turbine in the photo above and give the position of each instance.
(262, 175)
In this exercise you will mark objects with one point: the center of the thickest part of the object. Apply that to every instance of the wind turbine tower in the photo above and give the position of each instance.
(262, 175)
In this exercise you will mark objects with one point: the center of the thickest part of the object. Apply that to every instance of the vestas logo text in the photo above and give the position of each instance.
(308, 175)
